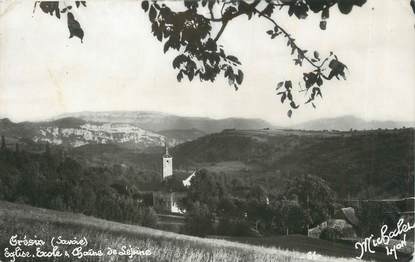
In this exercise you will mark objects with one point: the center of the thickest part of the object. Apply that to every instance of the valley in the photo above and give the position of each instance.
(244, 184)
(365, 161)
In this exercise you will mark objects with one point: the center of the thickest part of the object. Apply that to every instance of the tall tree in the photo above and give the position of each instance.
(206, 189)
(199, 220)
(3, 143)
(314, 195)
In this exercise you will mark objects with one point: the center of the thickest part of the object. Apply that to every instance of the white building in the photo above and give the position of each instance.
(186, 182)
(167, 164)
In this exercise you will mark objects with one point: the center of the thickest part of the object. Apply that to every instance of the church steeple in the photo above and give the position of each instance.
(167, 148)
(167, 163)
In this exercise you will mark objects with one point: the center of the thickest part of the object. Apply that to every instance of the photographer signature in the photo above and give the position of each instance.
(369, 243)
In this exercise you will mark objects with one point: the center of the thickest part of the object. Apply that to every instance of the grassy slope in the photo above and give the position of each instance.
(165, 246)
(304, 244)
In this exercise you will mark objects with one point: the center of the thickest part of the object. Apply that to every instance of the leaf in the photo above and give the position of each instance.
(244, 8)
(289, 96)
(289, 113)
(233, 59)
(319, 81)
(50, 7)
(270, 32)
(293, 105)
(298, 8)
(152, 14)
(310, 79)
(190, 74)
(279, 85)
(74, 27)
(180, 76)
(288, 84)
(269, 9)
(144, 5)
(323, 25)
(239, 77)
(325, 14)
(283, 97)
(316, 55)
(78, 3)
(166, 46)
(191, 4)
(345, 6)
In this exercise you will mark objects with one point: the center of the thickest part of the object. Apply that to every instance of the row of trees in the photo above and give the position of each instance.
(232, 208)
(214, 204)
(365, 165)
(235, 208)
(52, 181)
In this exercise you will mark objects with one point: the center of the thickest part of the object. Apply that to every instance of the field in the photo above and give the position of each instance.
(329, 248)
(226, 167)
(42, 224)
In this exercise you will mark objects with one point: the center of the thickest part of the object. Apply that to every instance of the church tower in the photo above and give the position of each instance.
(167, 164)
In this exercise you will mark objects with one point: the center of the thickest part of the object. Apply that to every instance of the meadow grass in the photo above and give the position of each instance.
(103, 234)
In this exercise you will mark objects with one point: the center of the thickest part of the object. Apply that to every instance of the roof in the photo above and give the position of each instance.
(350, 215)
(186, 182)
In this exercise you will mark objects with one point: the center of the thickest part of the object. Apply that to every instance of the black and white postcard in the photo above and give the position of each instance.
(207, 130)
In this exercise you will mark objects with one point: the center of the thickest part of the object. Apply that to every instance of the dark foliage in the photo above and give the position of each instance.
(315, 195)
(55, 8)
(190, 33)
(50, 181)
(330, 234)
(74, 27)
(3, 143)
(373, 215)
(199, 220)
(252, 211)
(359, 164)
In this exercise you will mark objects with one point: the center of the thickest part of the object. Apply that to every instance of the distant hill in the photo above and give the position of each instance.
(23, 129)
(360, 163)
(66, 122)
(156, 121)
(74, 132)
(182, 134)
(346, 123)
(130, 129)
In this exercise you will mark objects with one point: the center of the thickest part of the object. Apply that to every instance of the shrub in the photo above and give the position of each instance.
(330, 234)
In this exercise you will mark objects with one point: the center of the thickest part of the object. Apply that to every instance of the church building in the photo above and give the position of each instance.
(167, 164)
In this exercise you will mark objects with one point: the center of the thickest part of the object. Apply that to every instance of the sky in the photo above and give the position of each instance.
(121, 66)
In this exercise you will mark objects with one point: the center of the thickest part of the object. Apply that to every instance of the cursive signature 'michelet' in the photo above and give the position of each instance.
(367, 244)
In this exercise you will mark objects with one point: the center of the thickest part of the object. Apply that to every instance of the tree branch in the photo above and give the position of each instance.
(292, 42)
(287, 35)
(230, 17)
(220, 31)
